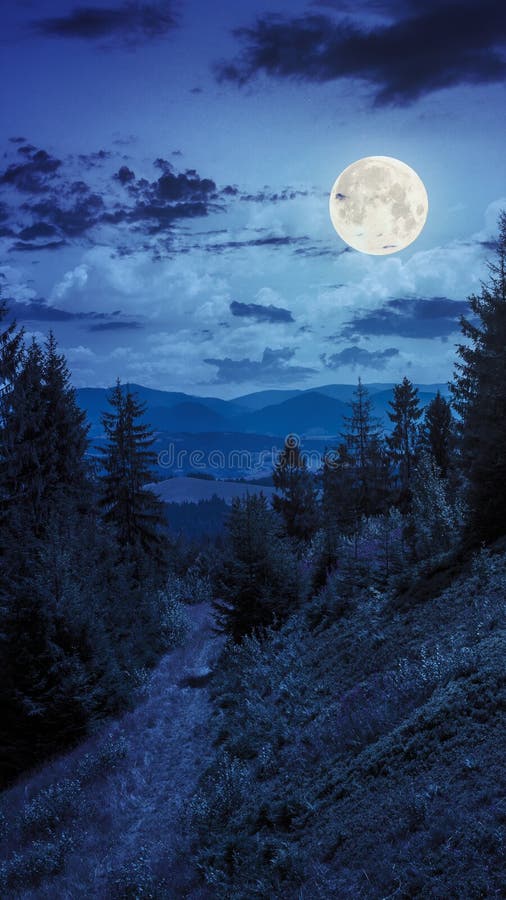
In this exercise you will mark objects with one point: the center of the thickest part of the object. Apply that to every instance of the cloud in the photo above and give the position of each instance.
(34, 176)
(261, 313)
(269, 196)
(61, 207)
(158, 204)
(432, 46)
(38, 310)
(272, 241)
(356, 357)
(132, 23)
(273, 368)
(73, 220)
(115, 326)
(412, 317)
(40, 229)
(91, 160)
(125, 175)
(27, 246)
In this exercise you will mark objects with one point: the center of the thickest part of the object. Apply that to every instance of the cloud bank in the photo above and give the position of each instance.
(434, 46)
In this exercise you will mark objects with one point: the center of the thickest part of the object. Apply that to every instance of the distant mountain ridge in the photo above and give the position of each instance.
(316, 411)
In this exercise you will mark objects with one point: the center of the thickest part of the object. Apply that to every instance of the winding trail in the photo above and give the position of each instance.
(129, 825)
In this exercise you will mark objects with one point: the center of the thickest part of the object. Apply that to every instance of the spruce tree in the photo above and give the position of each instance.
(438, 433)
(479, 391)
(11, 351)
(258, 583)
(403, 440)
(435, 517)
(135, 512)
(23, 442)
(365, 455)
(296, 501)
(66, 429)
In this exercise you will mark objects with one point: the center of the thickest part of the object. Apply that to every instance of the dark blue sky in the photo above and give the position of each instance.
(165, 176)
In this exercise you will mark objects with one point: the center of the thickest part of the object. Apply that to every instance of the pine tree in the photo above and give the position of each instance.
(435, 517)
(479, 392)
(403, 441)
(23, 440)
(258, 580)
(296, 502)
(134, 511)
(438, 433)
(365, 455)
(66, 429)
(43, 435)
(74, 623)
(11, 351)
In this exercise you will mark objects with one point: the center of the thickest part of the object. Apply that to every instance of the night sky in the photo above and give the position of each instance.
(165, 175)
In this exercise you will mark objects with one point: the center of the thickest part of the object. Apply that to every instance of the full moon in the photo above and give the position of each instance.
(378, 205)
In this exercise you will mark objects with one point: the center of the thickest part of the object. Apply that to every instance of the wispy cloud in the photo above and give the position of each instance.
(55, 205)
(33, 176)
(358, 357)
(261, 313)
(273, 368)
(412, 317)
(132, 23)
(466, 47)
(39, 310)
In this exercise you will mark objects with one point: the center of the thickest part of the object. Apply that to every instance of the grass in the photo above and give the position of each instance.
(359, 753)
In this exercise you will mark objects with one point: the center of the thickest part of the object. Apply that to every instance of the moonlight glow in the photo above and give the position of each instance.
(378, 205)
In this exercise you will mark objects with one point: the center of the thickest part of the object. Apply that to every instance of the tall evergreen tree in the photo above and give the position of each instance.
(258, 582)
(296, 501)
(479, 391)
(65, 424)
(403, 440)
(135, 512)
(435, 516)
(43, 434)
(438, 433)
(23, 440)
(11, 351)
(365, 455)
(74, 623)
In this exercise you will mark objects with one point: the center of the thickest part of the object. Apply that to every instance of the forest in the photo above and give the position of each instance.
(309, 702)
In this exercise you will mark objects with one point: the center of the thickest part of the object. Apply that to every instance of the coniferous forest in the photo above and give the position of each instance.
(307, 702)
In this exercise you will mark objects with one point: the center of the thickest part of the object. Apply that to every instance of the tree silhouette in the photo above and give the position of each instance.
(364, 456)
(258, 578)
(438, 432)
(128, 460)
(402, 442)
(296, 501)
(479, 391)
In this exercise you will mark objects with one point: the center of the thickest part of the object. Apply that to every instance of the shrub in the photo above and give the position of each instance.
(174, 621)
(47, 810)
(42, 859)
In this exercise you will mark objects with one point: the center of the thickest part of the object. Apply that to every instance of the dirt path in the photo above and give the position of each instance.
(128, 826)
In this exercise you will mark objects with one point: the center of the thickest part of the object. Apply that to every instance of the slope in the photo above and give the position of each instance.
(110, 817)
(305, 414)
(370, 764)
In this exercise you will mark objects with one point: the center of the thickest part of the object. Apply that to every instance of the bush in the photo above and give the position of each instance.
(174, 621)
(48, 809)
(42, 859)
(193, 587)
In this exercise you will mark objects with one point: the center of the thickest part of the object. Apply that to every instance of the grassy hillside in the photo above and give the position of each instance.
(355, 753)
(359, 751)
